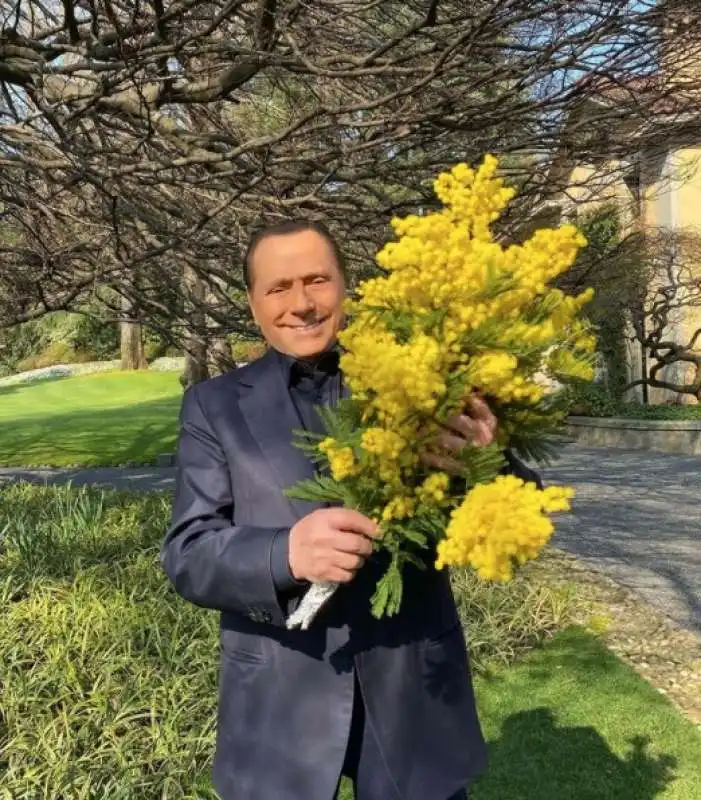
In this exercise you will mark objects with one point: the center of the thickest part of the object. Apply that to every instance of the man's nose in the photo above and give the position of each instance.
(301, 301)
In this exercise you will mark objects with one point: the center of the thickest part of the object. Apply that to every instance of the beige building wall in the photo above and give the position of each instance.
(670, 200)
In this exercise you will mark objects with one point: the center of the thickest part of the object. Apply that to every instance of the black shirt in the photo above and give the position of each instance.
(311, 383)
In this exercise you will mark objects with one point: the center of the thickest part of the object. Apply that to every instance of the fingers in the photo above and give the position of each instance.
(346, 519)
(480, 410)
(474, 431)
(337, 575)
(342, 566)
(347, 562)
(478, 427)
(352, 543)
(441, 462)
(448, 441)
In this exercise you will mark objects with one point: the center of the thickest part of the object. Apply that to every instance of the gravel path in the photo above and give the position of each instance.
(637, 517)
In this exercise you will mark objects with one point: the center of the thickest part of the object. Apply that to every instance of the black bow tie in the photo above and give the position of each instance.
(318, 369)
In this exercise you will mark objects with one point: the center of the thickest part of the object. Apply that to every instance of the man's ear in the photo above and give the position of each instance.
(251, 307)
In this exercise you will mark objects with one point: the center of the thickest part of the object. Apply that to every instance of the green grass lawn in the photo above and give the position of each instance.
(572, 721)
(92, 420)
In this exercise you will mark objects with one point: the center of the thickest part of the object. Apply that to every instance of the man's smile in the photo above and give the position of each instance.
(308, 327)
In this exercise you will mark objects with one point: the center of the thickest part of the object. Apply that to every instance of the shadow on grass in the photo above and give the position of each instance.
(137, 433)
(534, 759)
(16, 387)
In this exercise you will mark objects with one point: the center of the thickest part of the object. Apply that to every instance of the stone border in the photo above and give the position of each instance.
(665, 436)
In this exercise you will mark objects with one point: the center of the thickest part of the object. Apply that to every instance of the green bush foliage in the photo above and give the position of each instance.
(597, 400)
(246, 350)
(592, 400)
(56, 353)
(59, 338)
(661, 412)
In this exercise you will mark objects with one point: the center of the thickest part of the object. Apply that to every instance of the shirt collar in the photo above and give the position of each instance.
(324, 366)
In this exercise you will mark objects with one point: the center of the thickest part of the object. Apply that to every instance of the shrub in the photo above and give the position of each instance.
(54, 354)
(168, 364)
(108, 680)
(53, 338)
(596, 400)
(62, 371)
(592, 400)
(246, 350)
(504, 621)
(661, 412)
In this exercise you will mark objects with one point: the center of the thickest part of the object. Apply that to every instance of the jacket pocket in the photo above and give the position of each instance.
(248, 648)
(247, 656)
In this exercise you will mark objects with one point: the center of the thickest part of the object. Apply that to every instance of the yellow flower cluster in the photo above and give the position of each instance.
(386, 453)
(342, 461)
(457, 311)
(398, 508)
(392, 376)
(434, 489)
(500, 523)
(450, 275)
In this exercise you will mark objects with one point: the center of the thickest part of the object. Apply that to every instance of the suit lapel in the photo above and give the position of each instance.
(271, 416)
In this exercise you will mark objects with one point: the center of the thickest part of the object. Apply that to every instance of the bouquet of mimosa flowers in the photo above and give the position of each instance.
(454, 312)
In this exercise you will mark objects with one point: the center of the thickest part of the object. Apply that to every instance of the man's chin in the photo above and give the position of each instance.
(311, 348)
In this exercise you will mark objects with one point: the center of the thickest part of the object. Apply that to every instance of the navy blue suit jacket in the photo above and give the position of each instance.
(286, 697)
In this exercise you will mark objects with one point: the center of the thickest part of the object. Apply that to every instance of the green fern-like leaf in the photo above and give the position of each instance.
(387, 599)
(481, 464)
(320, 489)
(542, 449)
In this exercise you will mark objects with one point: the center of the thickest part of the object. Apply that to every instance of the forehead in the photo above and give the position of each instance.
(285, 255)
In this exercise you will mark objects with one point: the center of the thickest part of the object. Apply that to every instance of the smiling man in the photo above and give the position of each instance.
(389, 702)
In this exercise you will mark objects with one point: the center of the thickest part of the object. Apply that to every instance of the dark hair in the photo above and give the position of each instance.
(283, 229)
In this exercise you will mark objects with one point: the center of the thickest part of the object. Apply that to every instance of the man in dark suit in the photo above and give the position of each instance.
(387, 702)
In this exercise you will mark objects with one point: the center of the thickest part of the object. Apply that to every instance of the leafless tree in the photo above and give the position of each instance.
(142, 140)
(667, 323)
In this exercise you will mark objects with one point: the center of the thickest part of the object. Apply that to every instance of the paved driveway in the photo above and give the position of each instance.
(637, 516)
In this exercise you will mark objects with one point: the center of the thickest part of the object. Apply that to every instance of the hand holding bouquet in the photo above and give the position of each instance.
(455, 315)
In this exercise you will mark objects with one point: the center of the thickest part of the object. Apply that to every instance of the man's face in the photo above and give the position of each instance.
(297, 293)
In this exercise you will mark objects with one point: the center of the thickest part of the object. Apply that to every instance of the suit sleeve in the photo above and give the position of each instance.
(210, 561)
(515, 466)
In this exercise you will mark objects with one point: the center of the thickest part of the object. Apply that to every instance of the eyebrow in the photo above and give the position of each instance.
(320, 272)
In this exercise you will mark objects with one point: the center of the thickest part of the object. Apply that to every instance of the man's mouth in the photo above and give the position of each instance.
(309, 326)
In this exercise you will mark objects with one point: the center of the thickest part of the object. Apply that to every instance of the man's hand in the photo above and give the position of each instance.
(476, 427)
(330, 544)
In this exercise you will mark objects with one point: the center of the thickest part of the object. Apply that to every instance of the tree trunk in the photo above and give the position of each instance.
(196, 369)
(131, 339)
(220, 358)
